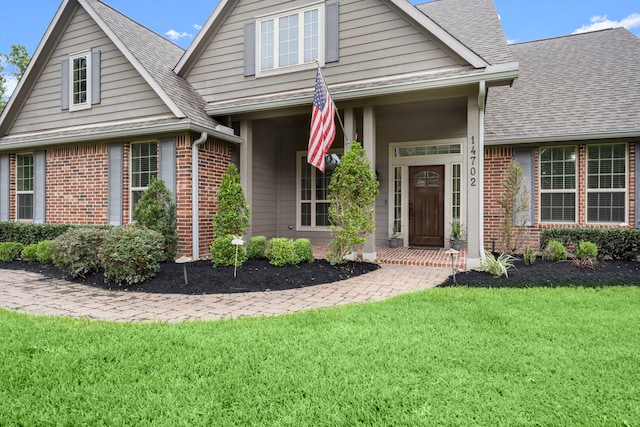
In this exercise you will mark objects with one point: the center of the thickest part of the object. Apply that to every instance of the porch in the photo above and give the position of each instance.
(419, 257)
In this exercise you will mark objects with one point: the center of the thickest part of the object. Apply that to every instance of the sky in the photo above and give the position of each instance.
(24, 22)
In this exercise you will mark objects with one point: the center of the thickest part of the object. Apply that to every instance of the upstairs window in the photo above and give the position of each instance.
(290, 39)
(80, 81)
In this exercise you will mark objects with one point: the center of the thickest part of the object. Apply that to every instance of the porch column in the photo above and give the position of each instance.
(475, 182)
(246, 169)
(349, 128)
(369, 145)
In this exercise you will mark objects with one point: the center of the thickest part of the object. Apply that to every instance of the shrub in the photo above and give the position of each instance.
(28, 234)
(497, 266)
(555, 251)
(282, 252)
(232, 216)
(10, 251)
(304, 252)
(529, 256)
(76, 251)
(586, 250)
(30, 253)
(223, 253)
(43, 252)
(156, 210)
(257, 247)
(617, 243)
(131, 255)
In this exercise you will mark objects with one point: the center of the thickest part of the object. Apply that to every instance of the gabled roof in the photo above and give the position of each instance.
(474, 23)
(224, 7)
(150, 54)
(583, 86)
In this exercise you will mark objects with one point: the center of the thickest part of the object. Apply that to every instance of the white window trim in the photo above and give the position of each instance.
(131, 187)
(607, 190)
(301, 65)
(574, 191)
(19, 193)
(87, 104)
(299, 226)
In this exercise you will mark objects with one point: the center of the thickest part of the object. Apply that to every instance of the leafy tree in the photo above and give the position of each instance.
(514, 205)
(18, 58)
(352, 190)
(156, 211)
(232, 217)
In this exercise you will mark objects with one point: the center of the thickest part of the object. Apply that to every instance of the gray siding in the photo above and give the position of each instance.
(124, 93)
(265, 181)
(219, 73)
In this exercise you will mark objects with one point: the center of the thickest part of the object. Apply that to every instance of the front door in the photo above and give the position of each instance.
(426, 206)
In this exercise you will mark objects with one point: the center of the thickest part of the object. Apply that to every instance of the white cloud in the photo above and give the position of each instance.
(602, 23)
(10, 85)
(174, 35)
(197, 27)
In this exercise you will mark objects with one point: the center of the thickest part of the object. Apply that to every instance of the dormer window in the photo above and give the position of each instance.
(291, 39)
(80, 81)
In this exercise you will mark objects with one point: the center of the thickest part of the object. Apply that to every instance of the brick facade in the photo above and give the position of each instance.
(497, 161)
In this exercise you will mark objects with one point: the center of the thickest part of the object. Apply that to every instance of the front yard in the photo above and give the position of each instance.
(449, 356)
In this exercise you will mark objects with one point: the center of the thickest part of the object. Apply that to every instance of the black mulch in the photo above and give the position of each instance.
(554, 274)
(202, 278)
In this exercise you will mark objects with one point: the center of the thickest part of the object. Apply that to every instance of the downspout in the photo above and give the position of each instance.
(195, 199)
(482, 102)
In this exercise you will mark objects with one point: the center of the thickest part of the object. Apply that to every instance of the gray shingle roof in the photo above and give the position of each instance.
(474, 23)
(581, 85)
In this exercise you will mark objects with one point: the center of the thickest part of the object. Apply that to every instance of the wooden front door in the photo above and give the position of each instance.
(426, 205)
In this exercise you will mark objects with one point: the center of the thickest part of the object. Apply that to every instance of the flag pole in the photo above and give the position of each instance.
(334, 104)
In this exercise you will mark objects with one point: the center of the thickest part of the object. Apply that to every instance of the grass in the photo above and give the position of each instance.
(453, 356)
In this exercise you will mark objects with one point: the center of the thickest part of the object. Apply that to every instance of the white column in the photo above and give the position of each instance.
(474, 162)
(349, 128)
(246, 162)
(369, 145)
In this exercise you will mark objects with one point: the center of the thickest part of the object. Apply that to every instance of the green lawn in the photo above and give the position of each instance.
(456, 356)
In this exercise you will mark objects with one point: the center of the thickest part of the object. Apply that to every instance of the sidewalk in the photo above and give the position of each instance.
(32, 293)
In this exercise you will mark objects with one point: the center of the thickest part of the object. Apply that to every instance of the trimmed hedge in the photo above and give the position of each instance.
(223, 253)
(282, 252)
(617, 243)
(10, 251)
(76, 251)
(28, 234)
(257, 247)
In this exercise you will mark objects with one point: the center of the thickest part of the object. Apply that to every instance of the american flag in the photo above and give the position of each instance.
(323, 128)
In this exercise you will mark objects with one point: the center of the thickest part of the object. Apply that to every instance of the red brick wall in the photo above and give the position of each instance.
(77, 184)
(497, 162)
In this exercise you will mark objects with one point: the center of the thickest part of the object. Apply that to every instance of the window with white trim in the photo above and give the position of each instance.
(80, 81)
(24, 187)
(290, 39)
(313, 191)
(558, 198)
(144, 167)
(607, 183)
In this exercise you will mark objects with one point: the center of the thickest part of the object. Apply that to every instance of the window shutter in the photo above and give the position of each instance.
(332, 32)
(115, 183)
(637, 177)
(39, 187)
(95, 77)
(64, 85)
(250, 49)
(5, 179)
(168, 164)
(524, 157)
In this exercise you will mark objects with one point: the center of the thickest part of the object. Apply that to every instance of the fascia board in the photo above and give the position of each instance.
(501, 73)
(132, 59)
(562, 138)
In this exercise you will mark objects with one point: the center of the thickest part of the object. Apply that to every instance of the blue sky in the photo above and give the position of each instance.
(24, 22)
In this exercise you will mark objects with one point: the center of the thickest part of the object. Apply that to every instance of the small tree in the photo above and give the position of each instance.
(514, 205)
(156, 211)
(352, 191)
(232, 217)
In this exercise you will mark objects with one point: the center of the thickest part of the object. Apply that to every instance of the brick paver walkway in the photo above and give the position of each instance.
(32, 293)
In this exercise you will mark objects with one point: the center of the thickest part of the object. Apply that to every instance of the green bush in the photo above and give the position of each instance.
(257, 247)
(617, 243)
(76, 251)
(303, 250)
(529, 256)
(223, 253)
(43, 252)
(28, 234)
(233, 213)
(156, 210)
(555, 251)
(10, 251)
(586, 251)
(30, 253)
(497, 266)
(282, 252)
(131, 255)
